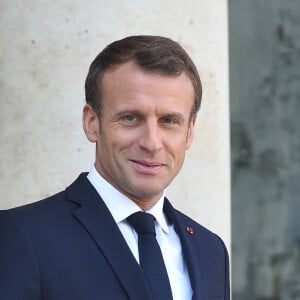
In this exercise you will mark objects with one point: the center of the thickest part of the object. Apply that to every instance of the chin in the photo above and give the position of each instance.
(144, 192)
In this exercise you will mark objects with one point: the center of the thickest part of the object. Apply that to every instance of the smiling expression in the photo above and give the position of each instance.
(144, 131)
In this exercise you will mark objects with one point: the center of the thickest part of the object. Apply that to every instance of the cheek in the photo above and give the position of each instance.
(176, 148)
(123, 141)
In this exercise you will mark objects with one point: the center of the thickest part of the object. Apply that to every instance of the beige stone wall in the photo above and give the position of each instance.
(46, 48)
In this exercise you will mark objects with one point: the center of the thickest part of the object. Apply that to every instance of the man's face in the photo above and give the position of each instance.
(144, 130)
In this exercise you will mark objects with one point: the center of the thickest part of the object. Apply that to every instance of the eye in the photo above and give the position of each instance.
(170, 120)
(130, 118)
(167, 120)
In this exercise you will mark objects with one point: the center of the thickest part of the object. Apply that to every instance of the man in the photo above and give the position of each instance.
(142, 94)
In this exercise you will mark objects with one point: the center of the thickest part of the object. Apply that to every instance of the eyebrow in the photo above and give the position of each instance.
(128, 112)
(177, 115)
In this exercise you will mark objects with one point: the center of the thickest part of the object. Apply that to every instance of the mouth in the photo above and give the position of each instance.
(147, 167)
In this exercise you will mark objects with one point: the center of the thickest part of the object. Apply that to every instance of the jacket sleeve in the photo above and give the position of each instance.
(19, 271)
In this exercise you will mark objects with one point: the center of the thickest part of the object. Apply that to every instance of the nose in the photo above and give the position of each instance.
(150, 137)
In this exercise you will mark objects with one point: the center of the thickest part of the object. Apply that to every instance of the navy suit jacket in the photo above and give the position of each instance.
(68, 247)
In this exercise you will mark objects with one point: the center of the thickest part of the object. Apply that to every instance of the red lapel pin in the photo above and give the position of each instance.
(190, 230)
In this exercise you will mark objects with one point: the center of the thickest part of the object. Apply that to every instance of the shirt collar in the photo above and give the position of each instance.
(121, 206)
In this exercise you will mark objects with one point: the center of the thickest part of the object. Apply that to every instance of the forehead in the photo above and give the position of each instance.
(129, 78)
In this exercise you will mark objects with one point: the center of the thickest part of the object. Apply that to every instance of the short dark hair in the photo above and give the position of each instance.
(151, 53)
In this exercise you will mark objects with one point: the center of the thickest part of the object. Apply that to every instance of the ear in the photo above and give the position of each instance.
(90, 123)
(190, 133)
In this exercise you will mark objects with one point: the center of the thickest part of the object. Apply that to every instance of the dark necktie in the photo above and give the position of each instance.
(151, 259)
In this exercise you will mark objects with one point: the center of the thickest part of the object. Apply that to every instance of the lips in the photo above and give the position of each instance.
(147, 167)
(147, 163)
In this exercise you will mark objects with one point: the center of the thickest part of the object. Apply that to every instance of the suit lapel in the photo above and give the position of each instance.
(96, 218)
(191, 246)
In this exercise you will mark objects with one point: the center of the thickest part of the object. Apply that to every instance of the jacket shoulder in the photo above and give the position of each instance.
(49, 205)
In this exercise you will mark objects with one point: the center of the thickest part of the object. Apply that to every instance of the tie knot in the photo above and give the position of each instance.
(143, 223)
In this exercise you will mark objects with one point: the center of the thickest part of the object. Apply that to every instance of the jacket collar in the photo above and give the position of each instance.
(192, 250)
(97, 220)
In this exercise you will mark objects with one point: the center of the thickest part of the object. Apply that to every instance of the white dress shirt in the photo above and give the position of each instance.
(122, 207)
